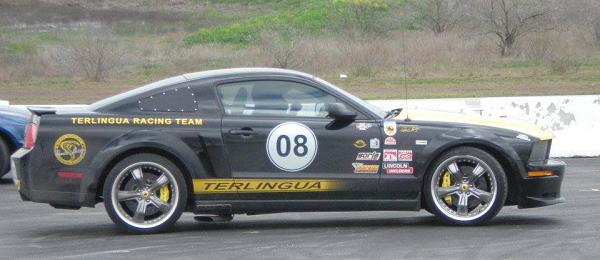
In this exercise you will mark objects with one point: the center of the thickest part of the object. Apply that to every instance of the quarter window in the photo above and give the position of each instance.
(274, 98)
(175, 100)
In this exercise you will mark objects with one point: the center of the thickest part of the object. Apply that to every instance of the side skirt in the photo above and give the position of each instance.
(254, 207)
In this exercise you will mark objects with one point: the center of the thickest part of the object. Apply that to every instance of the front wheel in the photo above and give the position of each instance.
(145, 193)
(466, 186)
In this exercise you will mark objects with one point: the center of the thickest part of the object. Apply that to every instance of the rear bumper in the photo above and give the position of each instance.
(17, 167)
(23, 178)
(542, 191)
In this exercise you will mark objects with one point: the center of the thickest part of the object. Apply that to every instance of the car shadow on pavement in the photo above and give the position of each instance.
(6, 181)
(190, 227)
(421, 221)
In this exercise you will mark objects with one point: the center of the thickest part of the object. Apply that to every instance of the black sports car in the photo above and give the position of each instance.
(255, 141)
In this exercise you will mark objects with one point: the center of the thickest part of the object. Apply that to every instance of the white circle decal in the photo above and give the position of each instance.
(291, 146)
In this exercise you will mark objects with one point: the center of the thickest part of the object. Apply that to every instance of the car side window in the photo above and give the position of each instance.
(274, 98)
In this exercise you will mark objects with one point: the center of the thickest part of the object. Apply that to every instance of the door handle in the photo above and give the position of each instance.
(246, 131)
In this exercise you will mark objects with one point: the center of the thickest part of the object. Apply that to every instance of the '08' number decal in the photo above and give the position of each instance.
(284, 145)
(291, 146)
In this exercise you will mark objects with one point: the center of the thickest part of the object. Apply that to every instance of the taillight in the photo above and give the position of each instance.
(30, 135)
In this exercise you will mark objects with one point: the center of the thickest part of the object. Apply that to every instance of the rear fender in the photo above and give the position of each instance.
(12, 135)
(145, 141)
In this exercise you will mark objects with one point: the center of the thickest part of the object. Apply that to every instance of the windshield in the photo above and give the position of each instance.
(376, 110)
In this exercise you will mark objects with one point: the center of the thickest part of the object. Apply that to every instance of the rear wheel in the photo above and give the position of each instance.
(145, 193)
(4, 158)
(467, 186)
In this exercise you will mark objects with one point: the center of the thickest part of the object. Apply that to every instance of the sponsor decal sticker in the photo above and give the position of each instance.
(264, 185)
(409, 129)
(374, 143)
(368, 156)
(390, 155)
(395, 165)
(420, 142)
(523, 137)
(405, 155)
(136, 121)
(363, 126)
(397, 168)
(408, 170)
(291, 146)
(360, 143)
(389, 141)
(69, 149)
(389, 127)
(365, 168)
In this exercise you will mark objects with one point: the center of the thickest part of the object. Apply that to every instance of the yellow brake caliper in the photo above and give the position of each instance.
(447, 183)
(164, 193)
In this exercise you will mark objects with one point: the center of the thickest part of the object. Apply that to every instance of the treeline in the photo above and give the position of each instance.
(505, 20)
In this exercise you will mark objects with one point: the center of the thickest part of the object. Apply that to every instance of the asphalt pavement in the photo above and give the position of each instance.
(566, 231)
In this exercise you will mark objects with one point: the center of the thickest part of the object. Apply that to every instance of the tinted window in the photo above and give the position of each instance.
(274, 98)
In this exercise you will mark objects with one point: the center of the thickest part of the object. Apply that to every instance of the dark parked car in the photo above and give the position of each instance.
(256, 141)
(12, 127)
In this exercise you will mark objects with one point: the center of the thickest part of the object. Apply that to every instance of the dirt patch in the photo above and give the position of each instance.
(52, 15)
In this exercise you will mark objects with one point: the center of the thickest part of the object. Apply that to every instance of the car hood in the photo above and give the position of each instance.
(438, 116)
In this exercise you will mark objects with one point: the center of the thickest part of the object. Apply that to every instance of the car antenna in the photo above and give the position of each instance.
(405, 65)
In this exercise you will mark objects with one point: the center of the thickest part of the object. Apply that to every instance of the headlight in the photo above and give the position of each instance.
(540, 151)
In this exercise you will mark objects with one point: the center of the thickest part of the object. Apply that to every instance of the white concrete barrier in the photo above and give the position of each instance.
(574, 120)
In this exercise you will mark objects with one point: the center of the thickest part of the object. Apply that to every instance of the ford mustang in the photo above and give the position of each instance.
(257, 141)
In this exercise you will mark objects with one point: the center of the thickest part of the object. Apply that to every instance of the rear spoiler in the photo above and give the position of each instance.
(40, 111)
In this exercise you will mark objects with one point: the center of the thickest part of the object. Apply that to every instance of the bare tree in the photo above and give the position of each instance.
(96, 54)
(508, 20)
(440, 15)
(596, 28)
(282, 47)
(365, 17)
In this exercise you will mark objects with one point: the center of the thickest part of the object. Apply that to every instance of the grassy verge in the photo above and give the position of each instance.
(310, 16)
(388, 85)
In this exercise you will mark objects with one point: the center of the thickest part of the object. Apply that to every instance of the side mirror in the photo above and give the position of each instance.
(340, 111)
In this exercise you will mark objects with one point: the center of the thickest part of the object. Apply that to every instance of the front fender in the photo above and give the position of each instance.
(506, 150)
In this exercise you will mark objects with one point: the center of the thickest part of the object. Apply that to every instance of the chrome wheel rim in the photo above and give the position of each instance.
(145, 195)
(469, 191)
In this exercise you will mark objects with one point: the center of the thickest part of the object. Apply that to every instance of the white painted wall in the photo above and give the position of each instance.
(574, 120)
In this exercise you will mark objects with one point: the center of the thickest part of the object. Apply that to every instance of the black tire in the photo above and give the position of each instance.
(152, 168)
(4, 158)
(490, 186)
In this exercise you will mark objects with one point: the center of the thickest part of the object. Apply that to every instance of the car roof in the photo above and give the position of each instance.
(244, 71)
(110, 101)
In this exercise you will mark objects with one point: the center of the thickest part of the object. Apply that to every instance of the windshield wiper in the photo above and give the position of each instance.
(393, 113)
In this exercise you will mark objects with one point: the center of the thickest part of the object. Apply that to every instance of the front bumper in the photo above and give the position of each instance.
(542, 191)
